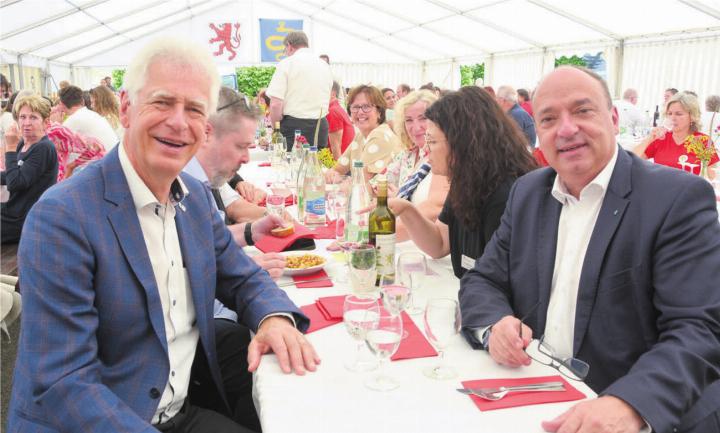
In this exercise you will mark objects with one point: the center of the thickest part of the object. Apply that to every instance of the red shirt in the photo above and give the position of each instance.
(338, 119)
(666, 152)
(527, 107)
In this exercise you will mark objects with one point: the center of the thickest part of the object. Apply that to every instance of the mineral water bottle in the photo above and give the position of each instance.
(314, 191)
(299, 181)
(356, 227)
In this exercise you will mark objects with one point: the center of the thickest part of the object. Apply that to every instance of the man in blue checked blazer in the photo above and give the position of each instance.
(120, 264)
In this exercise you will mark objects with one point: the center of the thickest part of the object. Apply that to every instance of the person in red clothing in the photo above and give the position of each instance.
(682, 116)
(524, 101)
(340, 127)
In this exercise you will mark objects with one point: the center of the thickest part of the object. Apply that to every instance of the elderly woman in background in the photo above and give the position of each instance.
(104, 102)
(668, 147)
(410, 169)
(482, 151)
(31, 163)
(376, 144)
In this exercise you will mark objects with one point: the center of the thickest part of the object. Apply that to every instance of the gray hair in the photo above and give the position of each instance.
(231, 107)
(296, 39)
(174, 51)
(507, 93)
(629, 94)
(712, 104)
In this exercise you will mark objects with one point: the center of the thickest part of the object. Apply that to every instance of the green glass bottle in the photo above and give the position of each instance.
(382, 232)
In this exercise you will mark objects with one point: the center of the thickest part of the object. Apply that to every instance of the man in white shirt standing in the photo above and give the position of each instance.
(300, 92)
(121, 266)
(84, 121)
(607, 259)
(630, 115)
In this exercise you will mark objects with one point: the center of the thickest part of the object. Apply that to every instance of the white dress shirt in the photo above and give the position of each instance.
(303, 82)
(577, 221)
(88, 122)
(157, 222)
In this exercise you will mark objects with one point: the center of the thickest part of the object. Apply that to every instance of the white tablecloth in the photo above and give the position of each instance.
(333, 399)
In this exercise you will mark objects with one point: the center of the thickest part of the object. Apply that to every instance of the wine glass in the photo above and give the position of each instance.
(396, 297)
(383, 339)
(363, 270)
(411, 269)
(358, 315)
(442, 322)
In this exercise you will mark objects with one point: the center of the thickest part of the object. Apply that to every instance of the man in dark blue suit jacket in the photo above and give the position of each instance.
(614, 259)
(119, 267)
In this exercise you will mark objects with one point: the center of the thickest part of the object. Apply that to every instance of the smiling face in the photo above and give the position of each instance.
(679, 118)
(575, 126)
(222, 156)
(166, 122)
(365, 122)
(439, 149)
(416, 123)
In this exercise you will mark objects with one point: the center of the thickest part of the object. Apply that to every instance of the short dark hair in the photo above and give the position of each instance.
(71, 96)
(524, 94)
(325, 56)
(387, 89)
(373, 95)
(406, 88)
(672, 90)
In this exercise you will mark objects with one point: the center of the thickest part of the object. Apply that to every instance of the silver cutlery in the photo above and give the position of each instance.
(292, 283)
(497, 393)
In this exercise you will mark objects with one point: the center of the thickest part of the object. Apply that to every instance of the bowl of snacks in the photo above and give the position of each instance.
(303, 263)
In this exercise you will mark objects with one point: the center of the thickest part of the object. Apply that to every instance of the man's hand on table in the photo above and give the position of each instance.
(293, 351)
(506, 346)
(273, 263)
(603, 414)
(249, 192)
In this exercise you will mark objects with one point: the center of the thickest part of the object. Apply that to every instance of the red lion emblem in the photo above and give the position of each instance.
(229, 39)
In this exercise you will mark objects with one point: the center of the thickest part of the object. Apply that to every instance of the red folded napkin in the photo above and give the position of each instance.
(515, 399)
(332, 306)
(324, 232)
(264, 164)
(415, 345)
(274, 244)
(298, 279)
(289, 201)
(317, 320)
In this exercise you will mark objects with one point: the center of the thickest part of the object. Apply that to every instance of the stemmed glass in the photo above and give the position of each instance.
(396, 297)
(383, 339)
(359, 314)
(363, 270)
(411, 269)
(442, 322)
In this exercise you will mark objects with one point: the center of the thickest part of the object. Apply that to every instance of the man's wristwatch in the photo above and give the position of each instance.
(248, 234)
(486, 338)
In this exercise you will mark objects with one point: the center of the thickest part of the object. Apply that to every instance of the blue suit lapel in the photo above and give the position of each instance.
(126, 226)
(547, 233)
(611, 213)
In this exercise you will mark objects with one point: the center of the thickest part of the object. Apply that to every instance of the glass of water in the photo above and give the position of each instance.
(359, 314)
(383, 339)
(411, 269)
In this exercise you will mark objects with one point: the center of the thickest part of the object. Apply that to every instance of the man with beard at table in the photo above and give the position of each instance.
(616, 261)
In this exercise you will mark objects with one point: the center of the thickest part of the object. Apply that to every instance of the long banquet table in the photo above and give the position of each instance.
(333, 399)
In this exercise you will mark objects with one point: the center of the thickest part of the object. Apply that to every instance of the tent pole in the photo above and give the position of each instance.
(619, 57)
(20, 72)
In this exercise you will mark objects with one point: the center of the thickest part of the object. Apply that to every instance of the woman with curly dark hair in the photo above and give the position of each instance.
(482, 151)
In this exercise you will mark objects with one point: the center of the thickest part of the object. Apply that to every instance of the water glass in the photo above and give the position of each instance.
(396, 297)
(383, 339)
(442, 323)
(411, 270)
(362, 270)
(359, 314)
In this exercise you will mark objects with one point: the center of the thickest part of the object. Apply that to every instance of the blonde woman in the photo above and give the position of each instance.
(104, 102)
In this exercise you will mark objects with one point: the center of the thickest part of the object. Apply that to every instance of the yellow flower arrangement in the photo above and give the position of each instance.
(700, 147)
(326, 158)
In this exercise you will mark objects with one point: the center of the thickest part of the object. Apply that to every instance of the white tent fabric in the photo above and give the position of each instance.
(649, 44)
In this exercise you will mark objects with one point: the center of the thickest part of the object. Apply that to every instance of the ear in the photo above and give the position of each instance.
(124, 109)
(615, 120)
(209, 131)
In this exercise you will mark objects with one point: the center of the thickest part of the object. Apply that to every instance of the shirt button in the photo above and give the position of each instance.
(174, 302)
(154, 393)
(172, 373)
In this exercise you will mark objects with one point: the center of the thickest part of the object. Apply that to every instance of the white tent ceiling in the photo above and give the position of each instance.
(97, 32)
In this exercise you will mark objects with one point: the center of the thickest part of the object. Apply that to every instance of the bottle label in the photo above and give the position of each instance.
(316, 207)
(385, 253)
